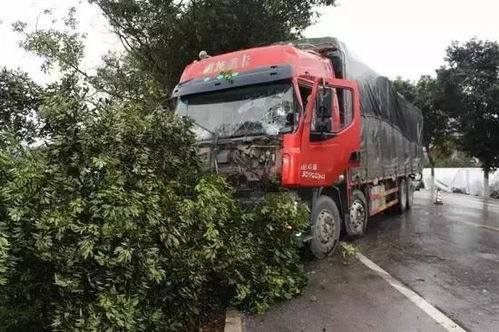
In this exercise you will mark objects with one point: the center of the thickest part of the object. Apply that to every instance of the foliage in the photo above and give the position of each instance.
(406, 88)
(19, 100)
(116, 81)
(348, 252)
(469, 91)
(111, 225)
(5, 163)
(164, 36)
(457, 159)
(119, 75)
(437, 134)
(274, 272)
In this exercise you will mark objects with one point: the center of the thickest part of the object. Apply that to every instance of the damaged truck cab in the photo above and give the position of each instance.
(289, 115)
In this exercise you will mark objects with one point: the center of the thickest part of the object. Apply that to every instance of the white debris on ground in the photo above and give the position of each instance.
(464, 180)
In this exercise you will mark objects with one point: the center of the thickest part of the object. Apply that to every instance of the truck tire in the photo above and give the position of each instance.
(356, 222)
(326, 227)
(401, 206)
(410, 193)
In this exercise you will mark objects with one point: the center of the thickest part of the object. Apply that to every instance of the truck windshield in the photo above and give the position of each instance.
(264, 109)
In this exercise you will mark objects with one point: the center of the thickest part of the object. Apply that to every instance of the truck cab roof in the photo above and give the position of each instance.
(302, 62)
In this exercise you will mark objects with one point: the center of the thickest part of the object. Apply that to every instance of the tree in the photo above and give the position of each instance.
(19, 100)
(165, 36)
(437, 136)
(406, 88)
(458, 159)
(112, 225)
(109, 222)
(469, 91)
(117, 80)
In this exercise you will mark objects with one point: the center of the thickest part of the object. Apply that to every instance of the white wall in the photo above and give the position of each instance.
(468, 180)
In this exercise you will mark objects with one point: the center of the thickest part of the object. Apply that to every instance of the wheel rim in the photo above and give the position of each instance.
(326, 226)
(357, 217)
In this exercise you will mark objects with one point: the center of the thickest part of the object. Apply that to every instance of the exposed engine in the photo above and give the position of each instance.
(252, 167)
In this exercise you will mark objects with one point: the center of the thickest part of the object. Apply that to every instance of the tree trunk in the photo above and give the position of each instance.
(432, 166)
(486, 189)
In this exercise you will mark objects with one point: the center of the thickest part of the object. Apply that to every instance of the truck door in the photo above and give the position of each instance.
(331, 135)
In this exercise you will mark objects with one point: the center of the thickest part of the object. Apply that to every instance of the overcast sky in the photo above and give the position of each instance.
(394, 37)
(407, 37)
(99, 38)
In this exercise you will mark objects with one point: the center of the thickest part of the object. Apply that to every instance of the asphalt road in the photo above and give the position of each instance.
(447, 254)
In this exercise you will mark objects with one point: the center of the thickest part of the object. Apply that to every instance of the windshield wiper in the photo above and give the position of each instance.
(205, 128)
(214, 135)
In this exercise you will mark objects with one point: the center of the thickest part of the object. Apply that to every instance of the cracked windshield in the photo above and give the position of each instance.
(265, 109)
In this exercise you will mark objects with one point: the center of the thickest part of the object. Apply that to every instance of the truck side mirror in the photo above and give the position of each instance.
(322, 119)
(324, 110)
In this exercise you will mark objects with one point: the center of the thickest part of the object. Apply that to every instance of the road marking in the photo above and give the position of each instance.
(433, 312)
(490, 228)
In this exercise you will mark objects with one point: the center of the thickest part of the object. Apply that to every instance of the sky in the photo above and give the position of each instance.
(99, 37)
(407, 38)
(394, 37)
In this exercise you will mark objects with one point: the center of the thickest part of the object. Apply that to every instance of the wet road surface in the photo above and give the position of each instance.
(447, 254)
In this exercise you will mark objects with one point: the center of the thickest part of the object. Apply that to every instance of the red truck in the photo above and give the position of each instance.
(307, 116)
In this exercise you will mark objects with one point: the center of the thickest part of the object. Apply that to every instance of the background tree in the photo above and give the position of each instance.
(406, 88)
(457, 159)
(469, 91)
(19, 100)
(437, 137)
(118, 79)
(164, 36)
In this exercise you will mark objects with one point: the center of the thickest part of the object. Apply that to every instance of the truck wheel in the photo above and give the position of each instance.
(326, 227)
(410, 194)
(356, 222)
(401, 206)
